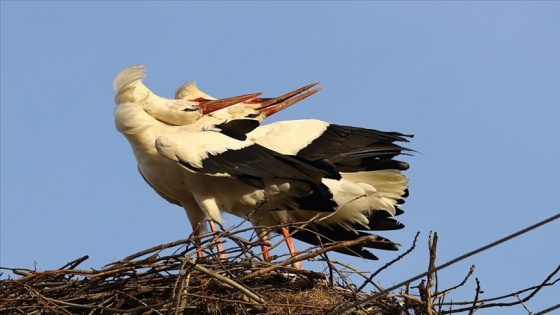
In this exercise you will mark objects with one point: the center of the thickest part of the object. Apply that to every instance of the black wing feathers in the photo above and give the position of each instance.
(254, 163)
(354, 149)
(260, 162)
(238, 128)
(321, 235)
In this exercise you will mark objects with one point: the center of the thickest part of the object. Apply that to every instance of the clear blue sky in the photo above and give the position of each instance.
(477, 83)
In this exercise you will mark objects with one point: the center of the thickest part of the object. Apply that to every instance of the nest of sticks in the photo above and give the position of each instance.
(169, 279)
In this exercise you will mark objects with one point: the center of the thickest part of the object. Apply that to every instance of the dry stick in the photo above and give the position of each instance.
(309, 256)
(340, 275)
(378, 271)
(530, 296)
(109, 309)
(407, 292)
(139, 301)
(436, 285)
(107, 302)
(232, 283)
(43, 300)
(360, 273)
(19, 271)
(184, 275)
(409, 298)
(444, 292)
(153, 249)
(441, 295)
(330, 266)
(432, 247)
(227, 270)
(447, 264)
(73, 264)
(474, 306)
(514, 293)
(523, 304)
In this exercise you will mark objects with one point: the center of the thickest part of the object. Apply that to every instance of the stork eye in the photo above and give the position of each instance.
(190, 109)
(252, 116)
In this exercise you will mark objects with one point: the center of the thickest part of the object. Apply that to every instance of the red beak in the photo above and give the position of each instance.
(212, 106)
(273, 105)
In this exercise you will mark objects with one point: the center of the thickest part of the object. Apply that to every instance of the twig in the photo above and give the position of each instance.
(289, 261)
(426, 291)
(530, 296)
(475, 305)
(232, 283)
(73, 264)
(523, 304)
(353, 306)
(444, 292)
(401, 256)
(167, 279)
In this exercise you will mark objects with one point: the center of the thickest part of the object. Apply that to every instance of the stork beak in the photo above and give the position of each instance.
(274, 105)
(212, 106)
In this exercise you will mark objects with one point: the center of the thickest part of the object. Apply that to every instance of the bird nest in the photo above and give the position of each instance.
(169, 279)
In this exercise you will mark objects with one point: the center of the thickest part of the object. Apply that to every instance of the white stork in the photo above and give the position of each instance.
(151, 122)
(285, 172)
(372, 184)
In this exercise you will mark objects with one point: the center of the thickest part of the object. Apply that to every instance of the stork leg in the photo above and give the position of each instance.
(291, 248)
(221, 252)
(199, 252)
(263, 237)
(196, 234)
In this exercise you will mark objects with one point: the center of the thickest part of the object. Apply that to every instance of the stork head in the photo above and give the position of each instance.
(184, 112)
(253, 108)
(130, 90)
(189, 91)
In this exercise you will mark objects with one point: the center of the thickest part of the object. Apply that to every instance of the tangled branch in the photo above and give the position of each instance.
(169, 279)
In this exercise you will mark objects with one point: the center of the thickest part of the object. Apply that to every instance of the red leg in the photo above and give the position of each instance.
(196, 233)
(291, 248)
(264, 247)
(220, 247)
(265, 252)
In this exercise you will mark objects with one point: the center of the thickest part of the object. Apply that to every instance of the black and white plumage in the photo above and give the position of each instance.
(371, 185)
(279, 173)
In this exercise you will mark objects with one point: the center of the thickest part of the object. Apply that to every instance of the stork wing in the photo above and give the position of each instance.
(351, 149)
(344, 142)
(213, 152)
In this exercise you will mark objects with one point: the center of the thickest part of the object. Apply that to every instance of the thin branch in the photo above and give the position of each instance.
(530, 296)
(353, 306)
(475, 305)
(316, 253)
(444, 292)
(73, 264)
(401, 256)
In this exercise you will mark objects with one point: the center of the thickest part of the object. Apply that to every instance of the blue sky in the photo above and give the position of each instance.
(477, 83)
